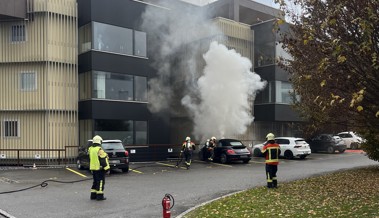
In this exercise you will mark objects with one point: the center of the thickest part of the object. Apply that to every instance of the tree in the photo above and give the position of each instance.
(334, 68)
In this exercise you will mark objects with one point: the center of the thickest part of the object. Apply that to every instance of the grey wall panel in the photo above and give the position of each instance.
(120, 64)
(285, 113)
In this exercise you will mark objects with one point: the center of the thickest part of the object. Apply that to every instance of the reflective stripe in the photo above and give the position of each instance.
(100, 188)
(93, 190)
(271, 161)
(268, 178)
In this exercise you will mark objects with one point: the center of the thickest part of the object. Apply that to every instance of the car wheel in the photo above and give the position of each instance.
(257, 152)
(246, 161)
(223, 159)
(125, 170)
(302, 157)
(330, 150)
(288, 155)
(79, 165)
(353, 146)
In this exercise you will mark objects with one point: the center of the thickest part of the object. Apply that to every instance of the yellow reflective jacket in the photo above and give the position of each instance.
(98, 158)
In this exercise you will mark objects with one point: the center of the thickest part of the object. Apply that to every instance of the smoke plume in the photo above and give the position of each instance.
(225, 88)
(216, 97)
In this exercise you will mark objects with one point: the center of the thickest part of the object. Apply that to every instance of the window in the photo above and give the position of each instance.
(118, 86)
(283, 92)
(11, 128)
(112, 38)
(139, 43)
(140, 88)
(141, 132)
(18, 33)
(28, 81)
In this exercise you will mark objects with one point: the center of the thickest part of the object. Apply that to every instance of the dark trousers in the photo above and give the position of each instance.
(97, 189)
(188, 156)
(271, 170)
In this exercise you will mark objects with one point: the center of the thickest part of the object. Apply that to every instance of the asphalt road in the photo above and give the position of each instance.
(138, 194)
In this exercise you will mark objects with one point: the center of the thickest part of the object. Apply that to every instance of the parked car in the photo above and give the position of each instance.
(325, 142)
(118, 156)
(352, 140)
(290, 147)
(227, 150)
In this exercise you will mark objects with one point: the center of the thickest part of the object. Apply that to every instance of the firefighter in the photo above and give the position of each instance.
(99, 166)
(187, 149)
(211, 146)
(271, 151)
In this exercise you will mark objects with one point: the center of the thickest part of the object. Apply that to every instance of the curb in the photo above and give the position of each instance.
(207, 202)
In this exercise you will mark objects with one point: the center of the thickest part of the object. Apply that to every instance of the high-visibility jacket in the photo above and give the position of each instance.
(98, 158)
(271, 151)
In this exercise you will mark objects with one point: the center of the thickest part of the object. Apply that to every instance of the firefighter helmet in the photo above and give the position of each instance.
(97, 139)
(188, 138)
(213, 138)
(270, 136)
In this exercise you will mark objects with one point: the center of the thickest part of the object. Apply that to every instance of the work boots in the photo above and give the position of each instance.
(100, 197)
(93, 196)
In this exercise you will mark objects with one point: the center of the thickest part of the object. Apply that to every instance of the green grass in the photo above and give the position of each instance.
(351, 193)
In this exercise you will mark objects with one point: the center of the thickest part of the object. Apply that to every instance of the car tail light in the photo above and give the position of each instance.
(126, 153)
(230, 151)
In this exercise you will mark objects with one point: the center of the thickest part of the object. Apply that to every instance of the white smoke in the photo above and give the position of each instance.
(217, 101)
(225, 88)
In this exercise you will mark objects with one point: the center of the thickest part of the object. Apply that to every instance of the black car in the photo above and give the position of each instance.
(118, 156)
(227, 150)
(325, 142)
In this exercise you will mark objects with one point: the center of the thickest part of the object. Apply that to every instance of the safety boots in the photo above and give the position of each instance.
(93, 196)
(100, 197)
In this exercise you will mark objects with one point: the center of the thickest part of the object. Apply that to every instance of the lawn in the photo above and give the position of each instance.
(350, 193)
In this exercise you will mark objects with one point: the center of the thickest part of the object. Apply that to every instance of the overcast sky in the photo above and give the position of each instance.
(265, 2)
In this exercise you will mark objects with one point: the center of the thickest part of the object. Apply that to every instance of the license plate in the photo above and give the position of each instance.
(114, 161)
(243, 156)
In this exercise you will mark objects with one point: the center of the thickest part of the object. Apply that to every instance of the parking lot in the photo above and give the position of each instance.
(139, 192)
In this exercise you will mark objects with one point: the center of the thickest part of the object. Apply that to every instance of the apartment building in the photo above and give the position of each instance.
(38, 79)
(70, 69)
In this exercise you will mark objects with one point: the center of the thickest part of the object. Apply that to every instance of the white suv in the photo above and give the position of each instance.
(352, 140)
(290, 147)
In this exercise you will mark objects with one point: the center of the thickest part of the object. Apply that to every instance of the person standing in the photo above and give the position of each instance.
(271, 151)
(187, 149)
(99, 165)
(211, 147)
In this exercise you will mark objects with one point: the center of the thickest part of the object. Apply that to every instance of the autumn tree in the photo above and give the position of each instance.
(334, 68)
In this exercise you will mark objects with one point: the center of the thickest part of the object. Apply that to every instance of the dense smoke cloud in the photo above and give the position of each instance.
(217, 101)
(225, 87)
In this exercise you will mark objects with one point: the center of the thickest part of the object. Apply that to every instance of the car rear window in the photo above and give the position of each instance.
(112, 146)
(236, 143)
(300, 142)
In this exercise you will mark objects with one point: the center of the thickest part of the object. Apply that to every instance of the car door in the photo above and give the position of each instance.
(284, 145)
(218, 149)
(348, 138)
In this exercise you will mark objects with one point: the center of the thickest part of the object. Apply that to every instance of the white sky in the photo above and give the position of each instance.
(202, 2)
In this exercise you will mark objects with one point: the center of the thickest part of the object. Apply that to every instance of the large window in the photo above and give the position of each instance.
(28, 81)
(128, 131)
(11, 128)
(18, 33)
(118, 86)
(275, 92)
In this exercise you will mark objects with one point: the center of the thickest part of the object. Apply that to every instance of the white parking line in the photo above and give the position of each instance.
(5, 214)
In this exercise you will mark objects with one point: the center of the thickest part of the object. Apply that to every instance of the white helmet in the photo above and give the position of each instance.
(270, 136)
(97, 140)
(188, 138)
(213, 138)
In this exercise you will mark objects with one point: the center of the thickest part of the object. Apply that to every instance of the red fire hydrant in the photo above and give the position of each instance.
(166, 204)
